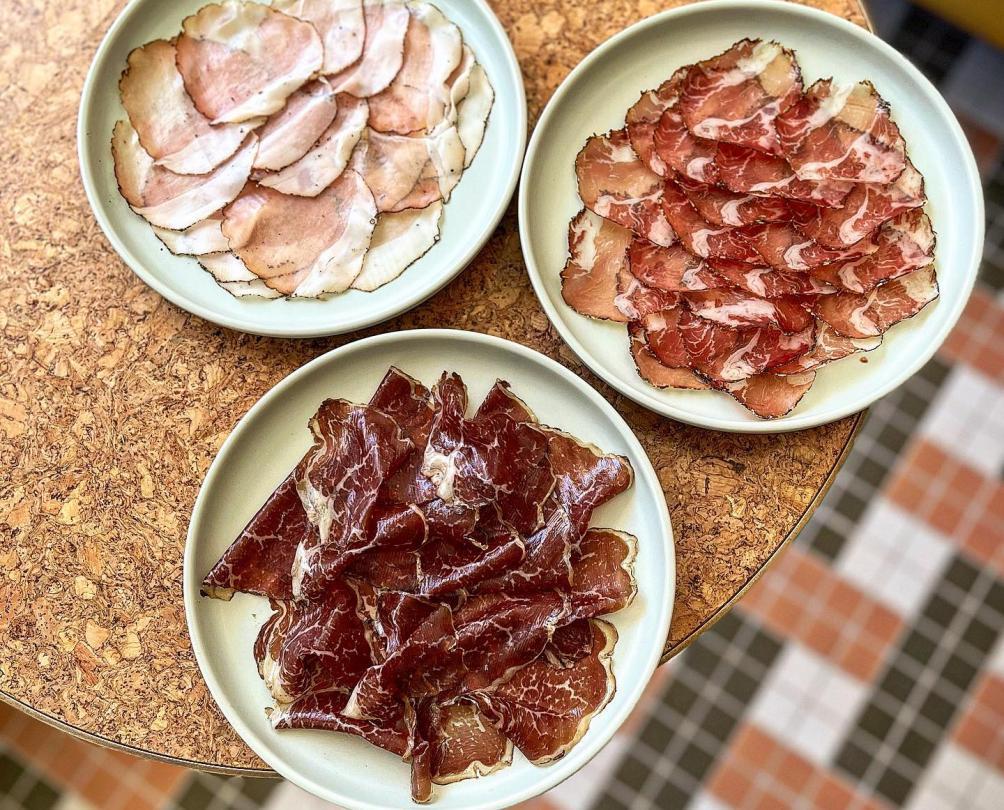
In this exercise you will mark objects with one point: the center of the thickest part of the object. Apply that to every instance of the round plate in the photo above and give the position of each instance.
(266, 445)
(475, 207)
(597, 94)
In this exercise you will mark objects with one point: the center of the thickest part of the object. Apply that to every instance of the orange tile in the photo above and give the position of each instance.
(730, 784)
(102, 788)
(794, 772)
(989, 360)
(753, 747)
(822, 636)
(927, 458)
(946, 516)
(862, 660)
(907, 491)
(164, 778)
(832, 795)
(540, 803)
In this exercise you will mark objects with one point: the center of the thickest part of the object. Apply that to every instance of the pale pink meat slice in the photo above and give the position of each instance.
(861, 316)
(399, 240)
(205, 236)
(767, 282)
(383, 50)
(339, 22)
(673, 269)
(234, 277)
(699, 236)
(643, 118)
(682, 151)
(597, 254)
(473, 112)
(720, 206)
(653, 371)
(782, 245)
(830, 346)
(289, 133)
(771, 396)
(241, 60)
(738, 309)
(753, 172)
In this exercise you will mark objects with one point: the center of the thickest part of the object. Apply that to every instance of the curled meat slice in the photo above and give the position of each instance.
(682, 151)
(860, 316)
(662, 332)
(699, 236)
(770, 396)
(783, 246)
(234, 277)
(597, 254)
(303, 246)
(830, 346)
(643, 118)
(473, 112)
(241, 60)
(654, 371)
(464, 744)
(169, 127)
(614, 183)
(768, 282)
(603, 578)
(736, 96)
(752, 172)
(720, 206)
(737, 308)
(327, 158)
(175, 201)
(205, 236)
(399, 240)
(340, 24)
(636, 300)
(842, 132)
(673, 269)
(289, 133)
(386, 25)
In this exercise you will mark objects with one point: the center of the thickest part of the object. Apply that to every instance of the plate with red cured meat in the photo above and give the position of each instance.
(304, 167)
(429, 566)
(750, 216)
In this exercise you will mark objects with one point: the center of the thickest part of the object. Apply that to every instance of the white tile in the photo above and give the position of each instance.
(995, 661)
(989, 792)
(583, 788)
(289, 797)
(950, 780)
(705, 801)
(71, 801)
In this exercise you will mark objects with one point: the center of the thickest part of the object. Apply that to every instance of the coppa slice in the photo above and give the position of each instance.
(862, 316)
(289, 133)
(662, 332)
(739, 309)
(653, 371)
(829, 346)
(720, 206)
(636, 300)
(842, 132)
(383, 50)
(399, 240)
(597, 254)
(643, 118)
(700, 237)
(753, 172)
(770, 396)
(673, 269)
(340, 24)
(783, 246)
(614, 183)
(736, 96)
(682, 151)
(243, 60)
(767, 282)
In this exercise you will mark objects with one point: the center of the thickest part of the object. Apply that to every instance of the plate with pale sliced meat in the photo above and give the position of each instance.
(305, 167)
(750, 216)
(429, 567)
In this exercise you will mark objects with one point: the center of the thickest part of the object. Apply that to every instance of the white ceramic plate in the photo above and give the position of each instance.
(265, 446)
(595, 97)
(474, 210)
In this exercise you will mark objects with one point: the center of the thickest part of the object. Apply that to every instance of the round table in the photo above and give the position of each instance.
(113, 403)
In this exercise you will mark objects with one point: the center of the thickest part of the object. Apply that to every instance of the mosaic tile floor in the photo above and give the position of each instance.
(865, 670)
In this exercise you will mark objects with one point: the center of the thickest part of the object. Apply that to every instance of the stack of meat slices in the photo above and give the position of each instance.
(435, 582)
(303, 148)
(748, 230)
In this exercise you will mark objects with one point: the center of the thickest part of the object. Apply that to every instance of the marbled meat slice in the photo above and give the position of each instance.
(655, 372)
(171, 130)
(738, 309)
(603, 578)
(783, 246)
(859, 315)
(768, 282)
(399, 240)
(635, 299)
(662, 333)
(673, 269)
(616, 184)
(753, 172)
(643, 118)
(340, 24)
(288, 134)
(597, 255)
(830, 346)
(720, 206)
(770, 396)
(682, 151)
(386, 25)
(303, 246)
(240, 61)
(175, 201)
(699, 236)
(736, 96)
(205, 236)
(842, 132)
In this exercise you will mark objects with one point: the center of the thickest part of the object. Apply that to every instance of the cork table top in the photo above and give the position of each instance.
(113, 403)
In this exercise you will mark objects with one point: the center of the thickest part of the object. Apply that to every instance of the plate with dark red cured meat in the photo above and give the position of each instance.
(434, 566)
(750, 216)
(304, 167)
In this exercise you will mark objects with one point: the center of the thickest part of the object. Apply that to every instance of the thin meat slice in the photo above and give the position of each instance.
(386, 25)
(473, 112)
(288, 134)
(720, 206)
(738, 309)
(233, 276)
(783, 246)
(662, 333)
(303, 246)
(175, 201)
(736, 96)
(340, 24)
(830, 346)
(464, 744)
(682, 151)
(636, 300)
(699, 236)
(673, 269)
(655, 372)
(399, 240)
(643, 118)
(858, 315)
(597, 255)
(205, 236)
(603, 578)
(842, 132)
(770, 396)
(617, 185)
(753, 172)
(241, 60)
(327, 158)
(768, 282)
(171, 130)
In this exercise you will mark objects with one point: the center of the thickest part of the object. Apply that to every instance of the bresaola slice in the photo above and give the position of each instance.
(662, 333)
(288, 134)
(386, 25)
(635, 300)
(750, 171)
(340, 24)
(862, 316)
(643, 119)
(597, 255)
(783, 246)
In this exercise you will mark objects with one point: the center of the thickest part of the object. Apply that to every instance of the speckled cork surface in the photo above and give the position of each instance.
(113, 403)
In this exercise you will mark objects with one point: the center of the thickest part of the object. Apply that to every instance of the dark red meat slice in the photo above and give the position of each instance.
(597, 253)
(829, 346)
(662, 332)
(643, 118)
(767, 282)
(699, 236)
(720, 206)
(672, 269)
(655, 372)
(866, 315)
(738, 309)
(636, 300)
(770, 396)
(570, 643)
(546, 563)
(603, 573)
(781, 245)
(500, 399)
(752, 172)
(683, 152)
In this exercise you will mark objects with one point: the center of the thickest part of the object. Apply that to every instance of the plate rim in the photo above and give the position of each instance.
(645, 475)
(788, 423)
(88, 173)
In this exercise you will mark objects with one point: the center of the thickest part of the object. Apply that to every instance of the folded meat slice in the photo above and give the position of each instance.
(303, 246)
(597, 255)
(616, 184)
(603, 578)
(242, 60)
(636, 300)
(175, 201)
(830, 346)
(653, 371)
(399, 240)
(682, 151)
(738, 309)
(643, 118)
(783, 246)
(699, 236)
(736, 96)
(673, 269)
(340, 24)
(289, 133)
(205, 236)
(752, 172)
(461, 743)
(720, 206)
(386, 25)
(171, 130)
(767, 282)
(842, 132)
(473, 111)
(858, 315)
(770, 396)
(662, 333)
(327, 157)
(234, 277)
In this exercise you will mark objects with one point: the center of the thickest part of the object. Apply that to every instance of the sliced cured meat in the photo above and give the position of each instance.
(842, 132)
(234, 277)
(240, 61)
(463, 743)
(736, 96)
(169, 127)
(545, 709)
(327, 158)
(767, 282)
(570, 643)
(752, 172)
(303, 246)
(662, 333)
(653, 371)
(699, 236)
(175, 201)
(546, 563)
(340, 24)
(720, 206)
(829, 346)
(473, 112)
(418, 99)
(866, 207)
(614, 183)
(783, 246)
(673, 269)
(682, 151)
(205, 236)
(770, 396)
(905, 244)
(603, 573)
(386, 25)
(858, 315)
(288, 134)
(738, 309)
(643, 118)
(636, 300)
(399, 240)
(597, 255)
(501, 399)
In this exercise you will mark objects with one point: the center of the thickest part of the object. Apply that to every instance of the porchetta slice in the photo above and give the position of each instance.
(175, 201)
(383, 50)
(473, 111)
(399, 240)
(170, 128)
(234, 277)
(289, 133)
(205, 236)
(339, 22)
